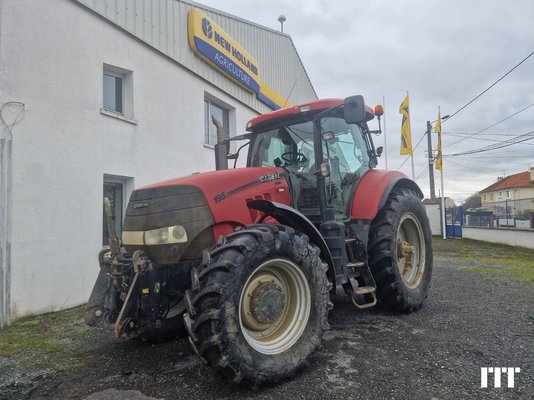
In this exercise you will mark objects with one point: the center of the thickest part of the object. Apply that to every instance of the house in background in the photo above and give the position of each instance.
(510, 197)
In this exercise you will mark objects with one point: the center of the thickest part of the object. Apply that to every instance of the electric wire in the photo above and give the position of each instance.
(491, 126)
(509, 142)
(493, 140)
(492, 85)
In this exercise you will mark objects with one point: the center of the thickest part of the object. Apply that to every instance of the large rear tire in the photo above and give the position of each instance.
(400, 252)
(259, 304)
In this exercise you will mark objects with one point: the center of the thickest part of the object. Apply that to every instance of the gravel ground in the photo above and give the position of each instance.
(471, 320)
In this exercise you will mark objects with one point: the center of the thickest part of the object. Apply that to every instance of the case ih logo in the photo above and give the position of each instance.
(206, 28)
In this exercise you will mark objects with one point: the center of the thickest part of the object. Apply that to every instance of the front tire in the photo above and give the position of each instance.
(400, 252)
(259, 304)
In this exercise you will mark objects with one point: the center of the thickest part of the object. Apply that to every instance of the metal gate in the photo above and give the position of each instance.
(455, 219)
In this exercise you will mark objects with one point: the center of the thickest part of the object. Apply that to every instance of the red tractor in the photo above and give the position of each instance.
(247, 260)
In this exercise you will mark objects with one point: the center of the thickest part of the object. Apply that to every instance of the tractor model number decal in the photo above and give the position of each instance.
(219, 197)
(262, 179)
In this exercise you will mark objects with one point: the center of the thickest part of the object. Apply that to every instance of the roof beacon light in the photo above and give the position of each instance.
(379, 110)
(305, 108)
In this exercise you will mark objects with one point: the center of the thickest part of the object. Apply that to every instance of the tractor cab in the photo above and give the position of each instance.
(323, 150)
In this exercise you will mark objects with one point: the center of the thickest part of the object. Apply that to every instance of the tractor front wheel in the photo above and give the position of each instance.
(400, 252)
(259, 304)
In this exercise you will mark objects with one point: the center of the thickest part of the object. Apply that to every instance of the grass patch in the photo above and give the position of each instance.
(490, 258)
(39, 335)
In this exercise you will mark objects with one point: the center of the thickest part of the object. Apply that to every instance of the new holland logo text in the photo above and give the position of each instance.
(225, 44)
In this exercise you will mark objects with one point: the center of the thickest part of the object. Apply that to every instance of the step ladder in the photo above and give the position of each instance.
(364, 295)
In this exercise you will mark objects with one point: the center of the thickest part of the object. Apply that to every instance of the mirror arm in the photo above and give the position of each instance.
(379, 130)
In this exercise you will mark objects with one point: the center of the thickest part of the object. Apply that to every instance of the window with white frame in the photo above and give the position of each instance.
(117, 93)
(221, 113)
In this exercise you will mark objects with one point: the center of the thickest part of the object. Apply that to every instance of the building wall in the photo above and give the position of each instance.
(52, 61)
(161, 22)
(516, 199)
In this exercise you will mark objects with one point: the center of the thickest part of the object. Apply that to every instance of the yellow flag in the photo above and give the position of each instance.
(439, 165)
(406, 134)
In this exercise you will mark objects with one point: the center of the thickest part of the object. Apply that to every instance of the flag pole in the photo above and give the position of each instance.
(440, 155)
(443, 208)
(410, 126)
(385, 136)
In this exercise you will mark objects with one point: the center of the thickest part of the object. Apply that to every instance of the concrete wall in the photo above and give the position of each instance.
(512, 237)
(52, 61)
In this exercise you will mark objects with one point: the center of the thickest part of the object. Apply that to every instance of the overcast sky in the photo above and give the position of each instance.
(444, 53)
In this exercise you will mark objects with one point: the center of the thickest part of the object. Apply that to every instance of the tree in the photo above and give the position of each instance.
(473, 201)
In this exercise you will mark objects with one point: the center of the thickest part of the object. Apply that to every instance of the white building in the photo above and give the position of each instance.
(98, 97)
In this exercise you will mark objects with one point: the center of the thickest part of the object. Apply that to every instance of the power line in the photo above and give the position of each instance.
(493, 84)
(493, 157)
(490, 140)
(519, 139)
(470, 168)
(422, 174)
(463, 134)
(491, 126)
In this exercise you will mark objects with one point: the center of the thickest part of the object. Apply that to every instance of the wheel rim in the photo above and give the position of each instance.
(274, 306)
(410, 250)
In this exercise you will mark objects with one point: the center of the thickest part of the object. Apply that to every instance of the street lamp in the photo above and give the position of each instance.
(282, 19)
(431, 158)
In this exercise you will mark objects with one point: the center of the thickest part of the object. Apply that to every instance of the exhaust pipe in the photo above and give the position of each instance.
(221, 148)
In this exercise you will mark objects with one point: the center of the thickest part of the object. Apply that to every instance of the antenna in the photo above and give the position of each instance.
(291, 91)
(282, 19)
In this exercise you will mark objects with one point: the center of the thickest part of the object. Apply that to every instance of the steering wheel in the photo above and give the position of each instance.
(294, 157)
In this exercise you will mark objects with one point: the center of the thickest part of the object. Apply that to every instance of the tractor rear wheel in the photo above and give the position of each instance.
(259, 304)
(400, 252)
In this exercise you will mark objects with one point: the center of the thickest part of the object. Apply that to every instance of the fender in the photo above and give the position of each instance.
(373, 190)
(289, 216)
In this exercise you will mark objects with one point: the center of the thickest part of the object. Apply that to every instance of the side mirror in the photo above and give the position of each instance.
(354, 109)
(379, 151)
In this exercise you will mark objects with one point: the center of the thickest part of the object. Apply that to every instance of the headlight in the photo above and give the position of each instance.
(168, 235)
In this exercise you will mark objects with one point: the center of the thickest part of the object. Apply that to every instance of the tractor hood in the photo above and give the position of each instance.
(177, 218)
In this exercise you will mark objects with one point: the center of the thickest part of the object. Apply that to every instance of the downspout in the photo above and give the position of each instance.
(5, 229)
(5, 197)
(6, 165)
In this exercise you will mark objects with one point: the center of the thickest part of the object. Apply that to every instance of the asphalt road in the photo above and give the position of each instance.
(470, 320)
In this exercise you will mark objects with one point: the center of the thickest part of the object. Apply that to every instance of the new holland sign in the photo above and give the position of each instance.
(220, 50)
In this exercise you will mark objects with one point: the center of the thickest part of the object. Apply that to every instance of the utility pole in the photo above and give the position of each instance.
(430, 161)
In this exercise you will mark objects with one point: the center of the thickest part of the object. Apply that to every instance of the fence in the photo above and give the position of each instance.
(505, 213)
